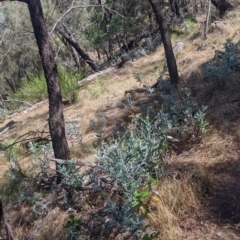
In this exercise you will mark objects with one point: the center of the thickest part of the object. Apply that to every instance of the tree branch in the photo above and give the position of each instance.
(24, 1)
(78, 163)
(66, 13)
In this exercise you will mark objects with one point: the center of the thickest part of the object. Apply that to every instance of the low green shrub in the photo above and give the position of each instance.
(35, 89)
(73, 226)
(69, 84)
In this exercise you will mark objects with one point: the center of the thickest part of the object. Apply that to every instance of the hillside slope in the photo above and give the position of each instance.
(217, 153)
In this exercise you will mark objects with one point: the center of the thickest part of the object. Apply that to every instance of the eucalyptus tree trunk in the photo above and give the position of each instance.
(171, 61)
(56, 118)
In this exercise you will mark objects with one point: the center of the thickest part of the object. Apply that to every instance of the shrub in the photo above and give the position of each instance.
(69, 84)
(35, 89)
(225, 63)
(13, 177)
(137, 157)
(3, 114)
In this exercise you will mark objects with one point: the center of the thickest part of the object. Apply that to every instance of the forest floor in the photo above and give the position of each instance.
(218, 151)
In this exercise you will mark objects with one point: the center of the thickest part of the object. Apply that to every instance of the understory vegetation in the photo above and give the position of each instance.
(34, 88)
(133, 172)
(130, 190)
(128, 177)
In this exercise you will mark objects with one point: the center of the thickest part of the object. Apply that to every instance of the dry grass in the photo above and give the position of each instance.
(51, 227)
(176, 198)
(179, 196)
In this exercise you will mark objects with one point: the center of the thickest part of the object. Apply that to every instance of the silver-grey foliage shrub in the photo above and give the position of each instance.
(228, 62)
(137, 156)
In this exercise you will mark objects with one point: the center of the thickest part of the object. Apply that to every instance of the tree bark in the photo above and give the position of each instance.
(174, 7)
(81, 53)
(56, 118)
(171, 61)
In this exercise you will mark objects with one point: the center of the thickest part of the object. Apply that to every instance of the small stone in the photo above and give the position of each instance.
(219, 234)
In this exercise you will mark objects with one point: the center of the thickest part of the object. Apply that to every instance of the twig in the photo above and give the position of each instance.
(78, 163)
(4, 131)
(67, 12)
(24, 140)
(17, 100)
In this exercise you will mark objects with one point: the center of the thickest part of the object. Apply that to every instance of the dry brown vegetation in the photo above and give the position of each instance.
(199, 198)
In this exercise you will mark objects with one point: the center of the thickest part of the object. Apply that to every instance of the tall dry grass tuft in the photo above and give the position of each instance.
(174, 198)
(51, 227)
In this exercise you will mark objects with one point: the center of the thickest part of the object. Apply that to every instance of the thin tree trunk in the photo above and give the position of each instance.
(56, 119)
(171, 61)
(207, 19)
(81, 53)
(11, 84)
(79, 61)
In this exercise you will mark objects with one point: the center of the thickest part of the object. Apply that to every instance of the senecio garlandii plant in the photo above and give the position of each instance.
(135, 158)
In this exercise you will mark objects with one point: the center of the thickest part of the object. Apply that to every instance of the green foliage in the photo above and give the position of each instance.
(39, 151)
(227, 62)
(69, 84)
(34, 87)
(139, 197)
(12, 150)
(72, 132)
(132, 159)
(36, 201)
(70, 175)
(188, 120)
(9, 186)
(73, 227)
(123, 214)
(200, 118)
(13, 180)
(191, 27)
(97, 126)
(136, 159)
(33, 90)
(3, 113)
(108, 29)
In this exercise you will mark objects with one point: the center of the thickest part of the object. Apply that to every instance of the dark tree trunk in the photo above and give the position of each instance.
(56, 119)
(171, 61)
(81, 53)
(11, 84)
(80, 62)
(222, 6)
(174, 7)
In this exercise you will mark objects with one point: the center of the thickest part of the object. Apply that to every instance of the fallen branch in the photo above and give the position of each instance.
(18, 100)
(94, 76)
(4, 131)
(78, 163)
